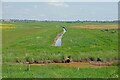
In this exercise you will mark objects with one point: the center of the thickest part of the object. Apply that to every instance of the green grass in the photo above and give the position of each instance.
(33, 41)
(55, 71)
(91, 42)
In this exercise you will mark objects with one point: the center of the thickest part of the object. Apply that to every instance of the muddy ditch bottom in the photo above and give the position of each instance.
(77, 64)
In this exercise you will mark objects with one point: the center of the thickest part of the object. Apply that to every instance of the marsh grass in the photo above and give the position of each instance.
(33, 41)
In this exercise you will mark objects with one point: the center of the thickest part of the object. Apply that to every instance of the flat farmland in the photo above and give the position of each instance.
(33, 42)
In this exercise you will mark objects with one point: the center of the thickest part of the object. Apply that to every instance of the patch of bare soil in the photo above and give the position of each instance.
(68, 62)
(75, 64)
(96, 26)
(72, 64)
(78, 64)
(101, 63)
(89, 63)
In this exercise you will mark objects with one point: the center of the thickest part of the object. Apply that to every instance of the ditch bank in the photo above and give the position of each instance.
(79, 62)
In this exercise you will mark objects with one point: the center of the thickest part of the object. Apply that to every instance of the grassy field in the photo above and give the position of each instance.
(55, 71)
(32, 41)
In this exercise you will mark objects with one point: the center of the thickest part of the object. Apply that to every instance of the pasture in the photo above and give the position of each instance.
(33, 42)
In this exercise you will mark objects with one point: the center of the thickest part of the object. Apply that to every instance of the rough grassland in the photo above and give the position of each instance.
(55, 71)
(33, 41)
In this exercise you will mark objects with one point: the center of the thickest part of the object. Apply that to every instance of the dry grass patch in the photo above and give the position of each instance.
(96, 26)
(4, 26)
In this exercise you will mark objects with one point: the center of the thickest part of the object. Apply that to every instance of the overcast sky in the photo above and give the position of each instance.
(60, 10)
(60, 0)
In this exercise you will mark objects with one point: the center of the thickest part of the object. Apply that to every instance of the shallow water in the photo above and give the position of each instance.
(59, 39)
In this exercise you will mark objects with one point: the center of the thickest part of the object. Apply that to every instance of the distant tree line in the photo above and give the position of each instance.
(77, 21)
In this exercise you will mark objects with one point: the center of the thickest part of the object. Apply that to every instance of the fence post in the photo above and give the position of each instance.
(28, 66)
